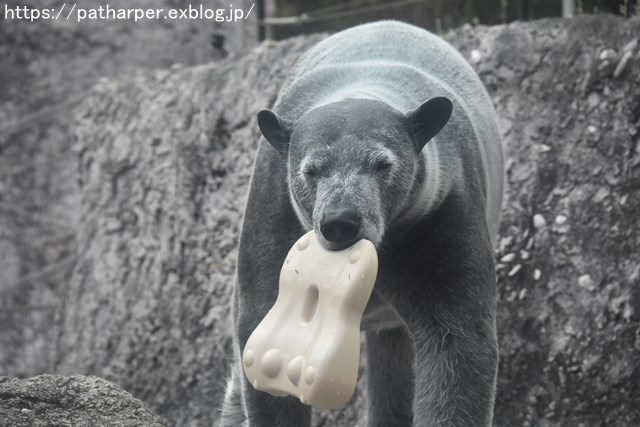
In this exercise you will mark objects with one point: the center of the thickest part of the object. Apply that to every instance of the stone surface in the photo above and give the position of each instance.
(47, 68)
(75, 401)
(569, 309)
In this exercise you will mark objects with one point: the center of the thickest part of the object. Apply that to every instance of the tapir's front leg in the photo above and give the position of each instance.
(390, 378)
(455, 376)
(266, 410)
(448, 303)
(269, 230)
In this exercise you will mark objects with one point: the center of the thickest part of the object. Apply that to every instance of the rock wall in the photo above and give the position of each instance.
(164, 161)
(568, 96)
(47, 67)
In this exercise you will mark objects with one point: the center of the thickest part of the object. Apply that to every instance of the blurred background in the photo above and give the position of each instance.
(292, 17)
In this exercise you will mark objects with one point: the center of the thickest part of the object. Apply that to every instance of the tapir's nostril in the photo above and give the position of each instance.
(341, 228)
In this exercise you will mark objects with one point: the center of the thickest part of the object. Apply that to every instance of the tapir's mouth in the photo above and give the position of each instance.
(335, 245)
(340, 226)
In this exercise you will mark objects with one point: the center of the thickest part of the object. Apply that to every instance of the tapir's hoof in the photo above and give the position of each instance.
(308, 345)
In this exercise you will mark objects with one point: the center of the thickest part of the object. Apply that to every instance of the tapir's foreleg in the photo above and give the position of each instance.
(390, 380)
(455, 376)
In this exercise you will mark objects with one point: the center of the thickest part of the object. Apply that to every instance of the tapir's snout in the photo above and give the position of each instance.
(341, 228)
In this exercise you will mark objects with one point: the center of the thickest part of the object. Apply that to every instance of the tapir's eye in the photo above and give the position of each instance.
(312, 167)
(383, 166)
(310, 172)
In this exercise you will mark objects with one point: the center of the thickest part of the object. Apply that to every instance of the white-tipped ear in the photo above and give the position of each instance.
(427, 120)
(276, 130)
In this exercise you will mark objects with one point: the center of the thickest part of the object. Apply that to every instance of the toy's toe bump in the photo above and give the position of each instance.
(271, 363)
(309, 375)
(249, 358)
(303, 243)
(354, 257)
(294, 369)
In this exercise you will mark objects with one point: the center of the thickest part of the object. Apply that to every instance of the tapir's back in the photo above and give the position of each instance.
(396, 42)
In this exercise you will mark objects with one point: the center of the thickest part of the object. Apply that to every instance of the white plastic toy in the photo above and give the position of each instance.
(308, 344)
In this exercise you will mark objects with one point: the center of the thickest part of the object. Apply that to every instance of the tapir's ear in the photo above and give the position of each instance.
(276, 130)
(427, 120)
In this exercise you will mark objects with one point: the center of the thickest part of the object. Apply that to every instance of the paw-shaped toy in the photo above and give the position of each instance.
(308, 344)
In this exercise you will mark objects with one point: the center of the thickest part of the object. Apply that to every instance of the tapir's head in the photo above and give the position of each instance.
(353, 164)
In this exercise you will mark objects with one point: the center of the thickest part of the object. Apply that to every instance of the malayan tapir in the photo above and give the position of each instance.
(383, 132)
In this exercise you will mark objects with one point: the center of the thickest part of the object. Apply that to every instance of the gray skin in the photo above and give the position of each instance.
(383, 132)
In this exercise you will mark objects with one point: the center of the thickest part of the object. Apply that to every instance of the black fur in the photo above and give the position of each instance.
(386, 127)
